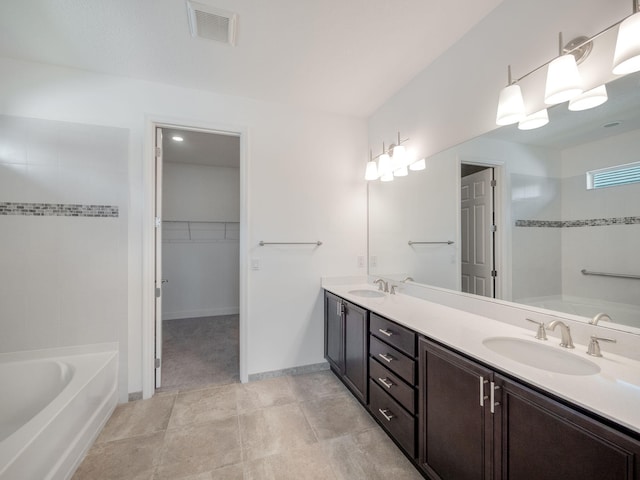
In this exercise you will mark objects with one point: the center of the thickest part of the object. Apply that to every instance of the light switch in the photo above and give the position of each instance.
(360, 261)
(255, 264)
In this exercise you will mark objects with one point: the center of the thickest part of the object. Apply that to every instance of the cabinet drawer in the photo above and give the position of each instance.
(390, 383)
(392, 416)
(393, 359)
(392, 333)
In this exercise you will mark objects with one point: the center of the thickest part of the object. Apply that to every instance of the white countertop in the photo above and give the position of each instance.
(614, 393)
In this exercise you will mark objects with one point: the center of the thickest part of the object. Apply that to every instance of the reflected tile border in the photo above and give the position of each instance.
(592, 222)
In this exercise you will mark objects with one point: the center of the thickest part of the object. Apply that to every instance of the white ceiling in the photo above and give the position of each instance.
(343, 56)
(201, 148)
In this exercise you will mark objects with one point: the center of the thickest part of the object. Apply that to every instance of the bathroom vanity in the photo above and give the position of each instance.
(468, 397)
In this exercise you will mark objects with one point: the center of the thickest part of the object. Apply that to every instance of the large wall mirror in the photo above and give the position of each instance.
(554, 236)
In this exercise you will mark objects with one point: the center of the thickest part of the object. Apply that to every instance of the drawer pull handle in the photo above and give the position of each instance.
(387, 383)
(387, 358)
(385, 332)
(386, 414)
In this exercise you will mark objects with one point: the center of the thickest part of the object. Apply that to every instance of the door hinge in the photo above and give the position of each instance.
(157, 363)
(494, 228)
(158, 152)
(157, 222)
(158, 292)
(494, 273)
(493, 183)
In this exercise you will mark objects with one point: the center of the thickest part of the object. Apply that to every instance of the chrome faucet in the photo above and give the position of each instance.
(407, 279)
(382, 284)
(598, 317)
(566, 340)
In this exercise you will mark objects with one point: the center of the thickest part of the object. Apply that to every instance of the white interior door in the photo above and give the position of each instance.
(158, 257)
(477, 233)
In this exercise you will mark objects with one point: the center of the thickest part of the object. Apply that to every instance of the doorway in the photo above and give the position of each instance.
(197, 258)
(478, 228)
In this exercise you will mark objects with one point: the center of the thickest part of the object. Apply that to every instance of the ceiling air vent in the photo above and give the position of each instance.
(212, 23)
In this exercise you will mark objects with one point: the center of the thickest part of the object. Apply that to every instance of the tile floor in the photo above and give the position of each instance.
(200, 351)
(295, 427)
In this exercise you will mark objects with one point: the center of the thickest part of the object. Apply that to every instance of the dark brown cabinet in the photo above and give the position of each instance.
(345, 347)
(392, 383)
(476, 423)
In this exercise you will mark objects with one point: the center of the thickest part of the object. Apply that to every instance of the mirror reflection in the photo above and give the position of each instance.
(563, 212)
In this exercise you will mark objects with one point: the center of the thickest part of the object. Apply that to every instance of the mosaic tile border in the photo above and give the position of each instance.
(592, 222)
(58, 210)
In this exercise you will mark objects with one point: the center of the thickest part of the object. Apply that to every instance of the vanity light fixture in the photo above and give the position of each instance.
(393, 162)
(563, 78)
(589, 99)
(511, 103)
(626, 58)
(177, 138)
(535, 120)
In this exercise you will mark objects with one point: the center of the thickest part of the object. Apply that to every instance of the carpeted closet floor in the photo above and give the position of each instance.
(198, 352)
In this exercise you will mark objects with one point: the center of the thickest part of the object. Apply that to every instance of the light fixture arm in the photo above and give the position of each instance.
(389, 151)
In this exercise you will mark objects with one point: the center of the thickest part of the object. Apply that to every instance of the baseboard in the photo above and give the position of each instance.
(209, 312)
(315, 367)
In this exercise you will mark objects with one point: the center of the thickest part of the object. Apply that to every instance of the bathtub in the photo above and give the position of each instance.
(620, 313)
(52, 406)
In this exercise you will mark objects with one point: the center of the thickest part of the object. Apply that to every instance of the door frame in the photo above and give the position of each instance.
(501, 246)
(148, 240)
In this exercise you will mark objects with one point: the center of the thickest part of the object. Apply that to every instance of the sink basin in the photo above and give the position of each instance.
(367, 293)
(539, 355)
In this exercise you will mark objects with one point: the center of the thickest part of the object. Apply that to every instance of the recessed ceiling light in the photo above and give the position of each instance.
(176, 138)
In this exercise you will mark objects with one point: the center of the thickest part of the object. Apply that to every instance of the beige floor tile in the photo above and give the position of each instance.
(389, 461)
(200, 448)
(337, 415)
(274, 430)
(200, 406)
(232, 472)
(264, 393)
(348, 461)
(138, 418)
(304, 463)
(128, 459)
(315, 385)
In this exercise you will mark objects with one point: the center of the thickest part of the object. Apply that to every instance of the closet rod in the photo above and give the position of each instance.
(448, 242)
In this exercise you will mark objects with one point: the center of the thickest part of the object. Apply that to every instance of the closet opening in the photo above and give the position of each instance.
(197, 258)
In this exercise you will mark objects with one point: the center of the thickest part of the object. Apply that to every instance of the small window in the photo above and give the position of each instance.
(614, 176)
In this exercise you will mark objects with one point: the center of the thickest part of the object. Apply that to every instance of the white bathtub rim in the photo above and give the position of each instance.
(27, 433)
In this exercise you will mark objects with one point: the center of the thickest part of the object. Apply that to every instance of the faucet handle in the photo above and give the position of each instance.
(541, 334)
(594, 346)
(393, 289)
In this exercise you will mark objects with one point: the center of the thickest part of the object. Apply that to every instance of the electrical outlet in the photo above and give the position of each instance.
(360, 261)
(255, 264)
(374, 260)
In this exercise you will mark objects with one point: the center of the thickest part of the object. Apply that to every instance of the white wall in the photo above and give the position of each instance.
(64, 278)
(608, 248)
(202, 193)
(200, 261)
(305, 182)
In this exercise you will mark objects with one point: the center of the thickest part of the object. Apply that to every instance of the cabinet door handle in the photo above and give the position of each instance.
(483, 397)
(385, 332)
(494, 404)
(387, 358)
(387, 383)
(386, 414)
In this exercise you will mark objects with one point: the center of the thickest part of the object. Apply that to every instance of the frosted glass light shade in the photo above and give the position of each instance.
(418, 165)
(401, 172)
(384, 165)
(589, 99)
(510, 105)
(535, 120)
(626, 58)
(386, 177)
(399, 157)
(372, 171)
(563, 80)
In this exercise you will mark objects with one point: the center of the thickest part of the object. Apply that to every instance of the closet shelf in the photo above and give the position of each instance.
(197, 231)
